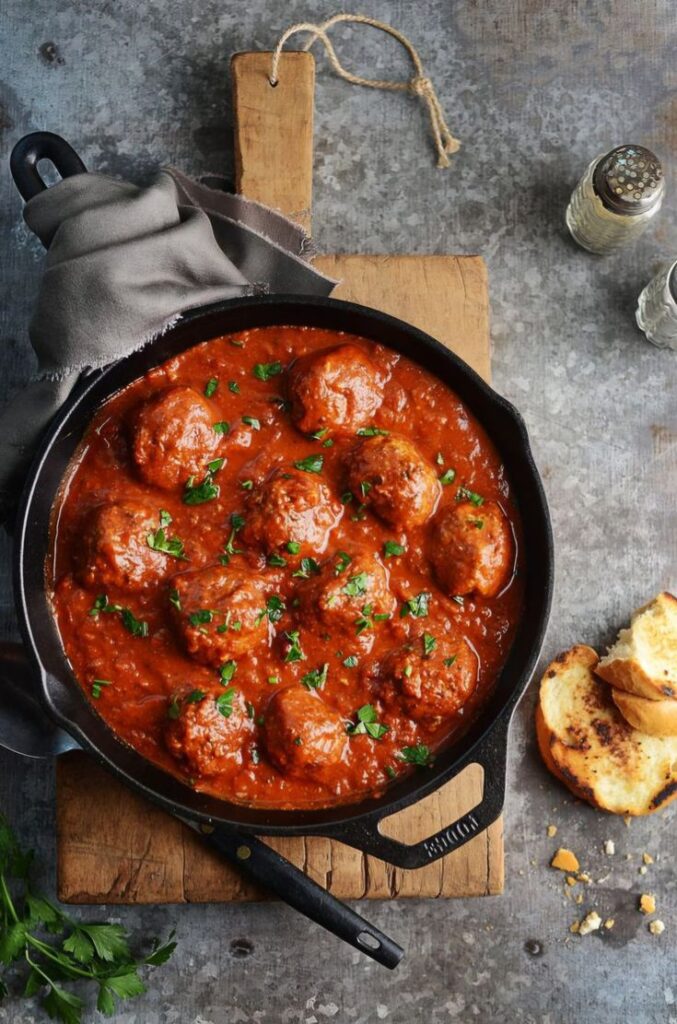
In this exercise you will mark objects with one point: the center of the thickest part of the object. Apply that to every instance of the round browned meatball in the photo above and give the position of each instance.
(338, 390)
(206, 732)
(432, 677)
(173, 436)
(301, 733)
(115, 551)
(351, 600)
(472, 549)
(391, 476)
(220, 613)
(289, 509)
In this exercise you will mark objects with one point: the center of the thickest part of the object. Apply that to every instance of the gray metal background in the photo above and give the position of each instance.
(534, 90)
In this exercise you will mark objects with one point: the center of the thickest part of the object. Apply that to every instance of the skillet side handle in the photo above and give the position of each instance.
(37, 146)
(492, 756)
(271, 871)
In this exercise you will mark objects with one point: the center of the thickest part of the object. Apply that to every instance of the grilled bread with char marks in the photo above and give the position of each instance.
(644, 658)
(657, 717)
(585, 741)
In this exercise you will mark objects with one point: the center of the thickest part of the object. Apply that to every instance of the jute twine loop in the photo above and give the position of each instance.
(418, 84)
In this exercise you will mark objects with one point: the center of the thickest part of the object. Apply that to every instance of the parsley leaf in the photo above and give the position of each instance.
(448, 477)
(276, 560)
(227, 671)
(316, 679)
(135, 626)
(350, 661)
(356, 585)
(159, 541)
(311, 464)
(224, 702)
(391, 549)
(367, 723)
(429, 643)
(342, 562)
(252, 422)
(463, 494)
(416, 606)
(206, 490)
(419, 755)
(211, 386)
(222, 427)
(293, 547)
(294, 650)
(98, 685)
(372, 432)
(309, 567)
(264, 371)
(233, 387)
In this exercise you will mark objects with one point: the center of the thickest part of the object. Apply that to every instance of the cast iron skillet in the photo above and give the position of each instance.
(485, 742)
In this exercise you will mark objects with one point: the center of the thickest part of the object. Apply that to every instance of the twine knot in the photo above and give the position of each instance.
(417, 85)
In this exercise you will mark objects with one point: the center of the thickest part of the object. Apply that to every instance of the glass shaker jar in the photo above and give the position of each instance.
(616, 199)
(657, 308)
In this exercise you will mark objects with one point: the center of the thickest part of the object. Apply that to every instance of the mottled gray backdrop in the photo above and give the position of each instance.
(534, 89)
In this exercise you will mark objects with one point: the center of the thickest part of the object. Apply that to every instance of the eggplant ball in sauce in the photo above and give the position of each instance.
(115, 552)
(173, 437)
(208, 732)
(389, 474)
(473, 549)
(349, 600)
(302, 734)
(337, 390)
(432, 678)
(290, 508)
(220, 613)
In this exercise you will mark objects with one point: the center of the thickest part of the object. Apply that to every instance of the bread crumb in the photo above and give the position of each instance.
(647, 858)
(583, 876)
(609, 923)
(628, 820)
(590, 923)
(565, 860)
(656, 927)
(575, 927)
(551, 831)
(580, 898)
(610, 847)
(647, 903)
(643, 870)
(571, 880)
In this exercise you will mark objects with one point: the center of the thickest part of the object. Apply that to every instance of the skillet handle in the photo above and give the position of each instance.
(492, 756)
(38, 146)
(266, 867)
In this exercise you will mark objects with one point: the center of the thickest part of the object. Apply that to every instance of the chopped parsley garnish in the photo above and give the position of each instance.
(319, 434)
(174, 708)
(416, 606)
(429, 643)
(159, 541)
(346, 497)
(237, 522)
(175, 599)
(419, 755)
(372, 432)
(252, 422)
(408, 669)
(211, 386)
(133, 625)
(224, 702)
(463, 494)
(275, 608)
(264, 371)
(311, 464)
(206, 490)
(294, 651)
(273, 680)
(237, 342)
(316, 679)
(350, 661)
(222, 427)
(448, 477)
(365, 487)
(276, 560)
(293, 547)
(356, 585)
(251, 710)
(391, 549)
(255, 755)
(228, 670)
(448, 662)
(246, 485)
(97, 686)
(360, 514)
(195, 696)
(342, 562)
(390, 771)
(477, 523)
(328, 443)
(367, 723)
(200, 617)
(366, 619)
(309, 567)
(234, 387)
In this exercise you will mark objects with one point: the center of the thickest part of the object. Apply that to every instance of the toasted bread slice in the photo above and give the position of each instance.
(656, 717)
(644, 658)
(585, 741)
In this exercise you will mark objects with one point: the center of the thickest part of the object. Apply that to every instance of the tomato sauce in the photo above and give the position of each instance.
(132, 675)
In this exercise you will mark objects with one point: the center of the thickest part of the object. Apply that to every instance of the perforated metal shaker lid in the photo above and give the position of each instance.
(629, 180)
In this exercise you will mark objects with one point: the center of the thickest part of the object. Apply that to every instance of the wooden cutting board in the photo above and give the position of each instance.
(114, 847)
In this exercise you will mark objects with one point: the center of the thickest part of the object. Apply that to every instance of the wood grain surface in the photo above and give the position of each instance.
(114, 847)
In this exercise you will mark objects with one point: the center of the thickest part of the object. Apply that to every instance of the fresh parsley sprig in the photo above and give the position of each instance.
(57, 949)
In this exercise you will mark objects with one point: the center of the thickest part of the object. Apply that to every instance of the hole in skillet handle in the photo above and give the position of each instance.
(33, 148)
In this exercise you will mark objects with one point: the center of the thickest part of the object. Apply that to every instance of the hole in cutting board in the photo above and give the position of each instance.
(441, 808)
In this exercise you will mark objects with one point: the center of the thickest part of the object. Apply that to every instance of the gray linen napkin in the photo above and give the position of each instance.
(123, 264)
